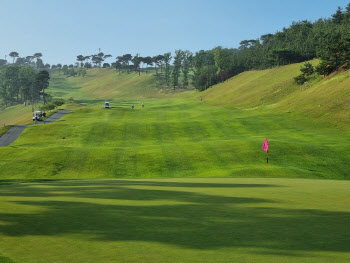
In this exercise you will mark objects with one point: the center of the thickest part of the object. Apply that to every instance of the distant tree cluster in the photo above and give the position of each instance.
(97, 60)
(326, 39)
(34, 60)
(19, 84)
(170, 76)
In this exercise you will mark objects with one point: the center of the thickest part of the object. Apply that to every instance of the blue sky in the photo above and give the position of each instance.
(63, 29)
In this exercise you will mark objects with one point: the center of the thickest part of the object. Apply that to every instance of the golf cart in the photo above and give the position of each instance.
(37, 116)
(106, 105)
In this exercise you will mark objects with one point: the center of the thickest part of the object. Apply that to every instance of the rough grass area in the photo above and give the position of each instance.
(274, 90)
(108, 84)
(18, 114)
(175, 138)
(176, 220)
(4, 129)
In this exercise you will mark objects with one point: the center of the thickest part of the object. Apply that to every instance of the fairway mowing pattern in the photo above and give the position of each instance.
(175, 138)
(175, 220)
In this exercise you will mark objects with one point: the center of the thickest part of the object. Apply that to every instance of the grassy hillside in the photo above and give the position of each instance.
(274, 90)
(108, 84)
(98, 84)
(18, 114)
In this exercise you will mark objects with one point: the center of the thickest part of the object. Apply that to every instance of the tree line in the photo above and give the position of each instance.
(34, 60)
(325, 39)
(22, 84)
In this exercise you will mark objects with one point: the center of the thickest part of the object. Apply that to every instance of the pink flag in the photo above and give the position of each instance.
(266, 145)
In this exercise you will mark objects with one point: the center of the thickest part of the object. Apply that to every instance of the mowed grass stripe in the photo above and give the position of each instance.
(180, 139)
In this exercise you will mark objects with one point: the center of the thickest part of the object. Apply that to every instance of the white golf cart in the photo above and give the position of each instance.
(106, 105)
(37, 116)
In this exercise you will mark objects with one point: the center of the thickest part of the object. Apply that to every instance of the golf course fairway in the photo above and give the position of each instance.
(175, 138)
(180, 180)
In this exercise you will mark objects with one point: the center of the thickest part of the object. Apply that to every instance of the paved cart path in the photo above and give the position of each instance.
(12, 134)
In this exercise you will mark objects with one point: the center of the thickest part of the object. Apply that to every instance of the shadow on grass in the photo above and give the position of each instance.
(4, 259)
(170, 216)
(17, 181)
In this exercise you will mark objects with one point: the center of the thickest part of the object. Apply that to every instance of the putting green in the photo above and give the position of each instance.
(176, 220)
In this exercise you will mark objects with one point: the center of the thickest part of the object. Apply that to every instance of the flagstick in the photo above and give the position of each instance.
(267, 162)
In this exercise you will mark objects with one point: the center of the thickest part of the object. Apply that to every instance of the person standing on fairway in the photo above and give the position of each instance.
(132, 106)
(143, 105)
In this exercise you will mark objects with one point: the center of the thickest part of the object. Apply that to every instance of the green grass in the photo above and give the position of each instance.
(18, 114)
(234, 217)
(176, 220)
(324, 100)
(108, 84)
(175, 138)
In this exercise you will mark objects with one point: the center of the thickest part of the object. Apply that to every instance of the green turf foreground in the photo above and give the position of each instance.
(175, 220)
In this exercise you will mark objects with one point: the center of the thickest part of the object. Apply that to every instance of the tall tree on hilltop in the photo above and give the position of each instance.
(10, 83)
(39, 63)
(175, 73)
(98, 59)
(119, 64)
(346, 16)
(30, 59)
(42, 82)
(158, 61)
(167, 59)
(186, 64)
(136, 60)
(37, 55)
(107, 56)
(337, 18)
(87, 58)
(26, 78)
(148, 61)
(14, 55)
(100, 56)
(80, 60)
(126, 61)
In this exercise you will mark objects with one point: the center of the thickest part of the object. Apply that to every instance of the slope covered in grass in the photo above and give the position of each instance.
(274, 90)
(108, 84)
(18, 114)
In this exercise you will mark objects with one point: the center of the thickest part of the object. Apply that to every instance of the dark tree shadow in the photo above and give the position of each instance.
(186, 219)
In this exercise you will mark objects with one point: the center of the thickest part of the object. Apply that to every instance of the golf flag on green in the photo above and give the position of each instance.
(266, 149)
(266, 145)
